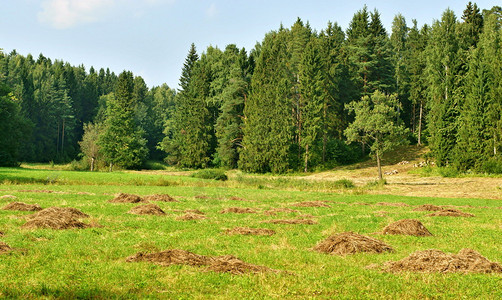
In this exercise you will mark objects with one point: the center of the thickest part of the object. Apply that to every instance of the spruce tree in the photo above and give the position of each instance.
(122, 143)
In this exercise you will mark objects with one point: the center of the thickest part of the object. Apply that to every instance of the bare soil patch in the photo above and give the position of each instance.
(160, 197)
(250, 231)
(407, 227)
(395, 204)
(22, 206)
(275, 211)
(350, 243)
(127, 198)
(436, 261)
(226, 263)
(291, 221)
(57, 218)
(428, 207)
(311, 204)
(4, 248)
(8, 197)
(450, 212)
(191, 216)
(238, 210)
(147, 209)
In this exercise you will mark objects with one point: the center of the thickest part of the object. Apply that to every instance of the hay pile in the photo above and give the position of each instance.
(191, 216)
(160, 197)
(226, 263)
(238, 210)
(450, 212)
(275, 211)
(428, 207)
(57, 218)
(436, 261)
(292, 221)
(22, 206)
(147, 209)
(8, 197)
(396, 204)
(4, 248)
(235, 198)
(194, 211)
(350, 243)
(311, 204)
(407, 227)
(250, 231)
(127, 198)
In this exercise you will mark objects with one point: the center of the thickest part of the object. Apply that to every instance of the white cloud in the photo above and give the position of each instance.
(212, 11)
(63, 14)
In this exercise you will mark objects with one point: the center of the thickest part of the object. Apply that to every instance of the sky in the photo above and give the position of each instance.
(151, 38)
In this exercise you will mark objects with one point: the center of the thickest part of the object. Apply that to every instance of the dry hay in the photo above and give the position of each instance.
(292, 221)
(233, 265)
(428, 207)
(350, 243)
(194, 211)
(311, 204)
(127, 198)
(4, 248)
(450, 212)
(22, 206)
(407, 227)
(275, 211)
(57, 218)
(235, 198)
(361, 203)
(250, 231)
(202, 197)
(147, 209)
(436, 261)
(395, 204)
(238, 210)
(160, 197)
(191, 216)
(381, 213)
(226, 263)
(8, 197)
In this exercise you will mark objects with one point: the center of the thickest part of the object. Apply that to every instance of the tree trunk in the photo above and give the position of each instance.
(92, 164)
(111, 167)
(324, 135)
(420, 125)
(306, 157)
(380, 177)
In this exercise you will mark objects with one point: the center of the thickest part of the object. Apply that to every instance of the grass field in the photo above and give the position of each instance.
(91, 262)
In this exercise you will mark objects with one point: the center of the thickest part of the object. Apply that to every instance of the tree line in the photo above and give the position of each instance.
(291, 103)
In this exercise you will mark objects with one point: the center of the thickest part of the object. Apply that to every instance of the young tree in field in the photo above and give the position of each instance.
(89, 143)
(122, 142)
(375, 124)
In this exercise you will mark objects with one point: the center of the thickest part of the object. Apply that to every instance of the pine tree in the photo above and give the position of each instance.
(122, 143)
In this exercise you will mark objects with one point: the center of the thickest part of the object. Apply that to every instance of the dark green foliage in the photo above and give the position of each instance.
(121, 142)
(211, 174)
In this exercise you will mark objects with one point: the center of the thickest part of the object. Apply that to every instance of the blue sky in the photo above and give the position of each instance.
(151, 38)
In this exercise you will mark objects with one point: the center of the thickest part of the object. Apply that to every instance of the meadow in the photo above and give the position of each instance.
(91, 262)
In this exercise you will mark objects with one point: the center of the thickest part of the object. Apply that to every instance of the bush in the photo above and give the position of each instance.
(211, 174)
(448, 172)
(344, 183)
(492, 166)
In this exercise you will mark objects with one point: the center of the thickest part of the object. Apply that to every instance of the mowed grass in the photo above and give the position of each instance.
(90, 263)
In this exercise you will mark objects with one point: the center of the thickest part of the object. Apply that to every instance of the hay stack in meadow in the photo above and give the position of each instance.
(311, 204)
(160, 197)
(450, 212)
(4, 248)
(238, 210)
(436, 261)
(407, 227)
(191, 216)
(226, 263)
(57, 218)
(8, 197)
(127, 198)
(21, 206)
(275, 211)
(250, 231)
(428, 207)
(147, 209)
(350, 243)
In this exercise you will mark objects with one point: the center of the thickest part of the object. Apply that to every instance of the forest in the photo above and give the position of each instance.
(300, 100)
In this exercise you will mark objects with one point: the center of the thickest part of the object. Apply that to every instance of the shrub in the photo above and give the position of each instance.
(448, 172)
(211, 174)
(492, 166)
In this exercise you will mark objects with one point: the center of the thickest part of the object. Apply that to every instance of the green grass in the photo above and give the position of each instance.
(90, 263)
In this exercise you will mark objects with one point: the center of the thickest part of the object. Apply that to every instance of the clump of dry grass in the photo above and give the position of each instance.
(21, 206)
(160, 197)
(291, 221)
(450, 212)
(57, 218)
(127, 198)
(250, 231)
(191, 216)
(428, 207)
(407, 227)
(350, 243)
(311, 204)
(239, 210)
(147, 209)
(275, 211)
